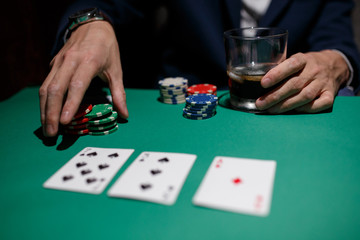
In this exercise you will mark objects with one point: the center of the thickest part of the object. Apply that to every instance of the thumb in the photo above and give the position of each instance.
(118, 93)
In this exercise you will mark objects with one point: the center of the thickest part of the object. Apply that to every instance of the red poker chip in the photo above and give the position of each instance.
(213, 93)
(201, 88)
(83, 110)
(79, 121)
(78, 126)
(76, 132)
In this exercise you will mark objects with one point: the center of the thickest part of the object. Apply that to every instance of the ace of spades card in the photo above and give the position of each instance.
(155, 177)
(89, 171)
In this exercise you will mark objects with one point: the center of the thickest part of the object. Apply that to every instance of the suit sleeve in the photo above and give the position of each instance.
(333, 30)
(121, 13)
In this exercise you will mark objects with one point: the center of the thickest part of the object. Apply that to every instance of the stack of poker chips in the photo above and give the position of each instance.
(200, 106)
(202, 88)
(94, 120)
(173, 90)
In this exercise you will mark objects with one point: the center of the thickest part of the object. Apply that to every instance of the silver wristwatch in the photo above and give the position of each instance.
(82, 17)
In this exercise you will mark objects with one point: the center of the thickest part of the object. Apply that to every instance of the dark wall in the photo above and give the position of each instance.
(30, 28)
(356, 21)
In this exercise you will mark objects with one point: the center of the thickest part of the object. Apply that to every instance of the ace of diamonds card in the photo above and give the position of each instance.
(238, 185)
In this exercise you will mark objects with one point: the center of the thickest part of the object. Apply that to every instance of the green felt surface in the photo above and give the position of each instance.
(316, 191)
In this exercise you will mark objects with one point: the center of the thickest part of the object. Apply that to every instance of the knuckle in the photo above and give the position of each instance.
(309, 94)
(123, 94)
(286, 107)
(328, 100)
(296, 85)
(300, 56)
(53, 89)
(316, 70)
(42, 91)
(51, 119)
(70, 54)
(297, 61)
(92, 61)
(273, 98)
(55, 61)
(320, 71)
(76, 84)
(119, 94)
(272, 73)
(282, 108)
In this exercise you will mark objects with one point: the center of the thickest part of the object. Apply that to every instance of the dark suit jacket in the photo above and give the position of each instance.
(190, 42)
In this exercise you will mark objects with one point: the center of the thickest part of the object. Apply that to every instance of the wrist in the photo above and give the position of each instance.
(340, 65)
(350, 68)
(83, 17)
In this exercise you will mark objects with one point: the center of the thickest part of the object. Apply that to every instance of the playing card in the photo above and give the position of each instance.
(154, 176)
(238, 185)
(89, 171)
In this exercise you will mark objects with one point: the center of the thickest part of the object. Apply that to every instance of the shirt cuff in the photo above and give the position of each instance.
(351, 69)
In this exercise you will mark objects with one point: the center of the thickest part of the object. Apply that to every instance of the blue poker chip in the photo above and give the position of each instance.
(207, 109)
(198, 112)
(201, 108)
(197, 118)
(201, 100)
(197, 115)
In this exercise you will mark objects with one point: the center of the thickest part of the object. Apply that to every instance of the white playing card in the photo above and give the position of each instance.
(89, 171)
(155, 177)
(238, 185)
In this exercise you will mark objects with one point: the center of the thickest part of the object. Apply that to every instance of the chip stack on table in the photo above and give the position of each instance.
(200, 106)
(202, 88)
(173, 90)
(95, 120)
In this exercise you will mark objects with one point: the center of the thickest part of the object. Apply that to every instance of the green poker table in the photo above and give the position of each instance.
(316, 192)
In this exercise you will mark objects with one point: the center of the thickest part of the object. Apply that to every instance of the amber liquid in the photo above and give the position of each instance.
(245, 84)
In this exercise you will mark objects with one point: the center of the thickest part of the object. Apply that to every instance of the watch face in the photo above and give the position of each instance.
(86, 12)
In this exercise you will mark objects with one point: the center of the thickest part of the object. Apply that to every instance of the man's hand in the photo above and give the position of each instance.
(310, 82)
(92, 50)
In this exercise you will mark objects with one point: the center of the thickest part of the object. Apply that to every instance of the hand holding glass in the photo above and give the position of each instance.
(250, 54)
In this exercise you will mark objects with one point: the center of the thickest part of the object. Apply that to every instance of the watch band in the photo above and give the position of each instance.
(82, 17)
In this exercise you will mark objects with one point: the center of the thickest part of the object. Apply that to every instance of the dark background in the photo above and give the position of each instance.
(30, 28)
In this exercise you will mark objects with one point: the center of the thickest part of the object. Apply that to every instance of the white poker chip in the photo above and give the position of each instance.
(173, 82)
(173, 90)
